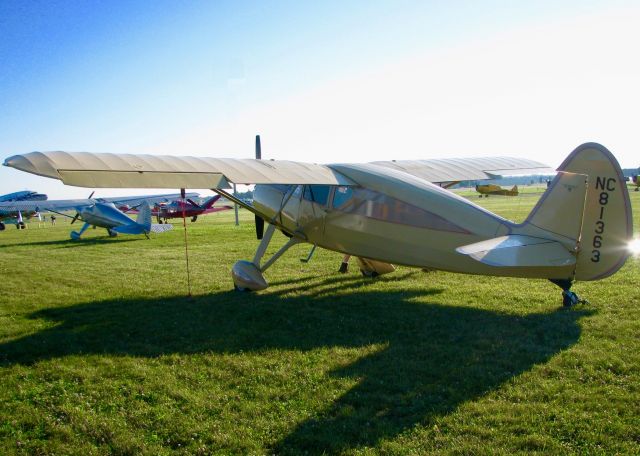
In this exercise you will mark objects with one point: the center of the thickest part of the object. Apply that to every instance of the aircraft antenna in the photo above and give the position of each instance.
(186, 244)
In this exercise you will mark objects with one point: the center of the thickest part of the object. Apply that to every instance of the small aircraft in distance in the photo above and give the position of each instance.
(107, 215)
(24, 195)
(635, 180)
(16, 217)
(493, 189)
(187, 208)
(392, 212)
(17, 210)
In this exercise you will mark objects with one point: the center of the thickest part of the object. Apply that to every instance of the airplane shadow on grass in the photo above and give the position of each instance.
(70, 243)
(434, 357)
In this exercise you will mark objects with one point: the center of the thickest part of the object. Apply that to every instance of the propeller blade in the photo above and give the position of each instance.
(258, 148)
(189, 200)
(259, 227)
(76, 217)
(91, 194)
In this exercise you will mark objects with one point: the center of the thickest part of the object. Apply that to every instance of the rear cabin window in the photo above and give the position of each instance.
(317, 193)
(341, 196)
(375, 205)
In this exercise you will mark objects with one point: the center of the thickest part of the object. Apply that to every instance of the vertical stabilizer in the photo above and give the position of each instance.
(208, 204)
(588, 202)
(561, 208)
(144, 216)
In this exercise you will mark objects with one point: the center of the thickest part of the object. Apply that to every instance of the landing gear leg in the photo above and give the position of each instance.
(75, 235)
(569, 298)
(247, 275)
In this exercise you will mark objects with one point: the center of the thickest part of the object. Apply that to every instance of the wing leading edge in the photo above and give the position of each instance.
(100, 170)
(463, 169)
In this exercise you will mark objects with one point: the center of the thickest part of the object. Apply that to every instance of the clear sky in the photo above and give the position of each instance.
(320, 81)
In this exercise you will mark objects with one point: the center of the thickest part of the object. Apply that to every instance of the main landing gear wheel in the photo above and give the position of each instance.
(569, 298)
(369, 274)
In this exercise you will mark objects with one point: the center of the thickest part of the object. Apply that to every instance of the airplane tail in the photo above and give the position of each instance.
(580, 228)
(208, 204)
(587, 209)
(144, 216)
(143, 223)
(514, 189)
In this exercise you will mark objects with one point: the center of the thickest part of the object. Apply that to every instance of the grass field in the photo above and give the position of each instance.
(102, 353)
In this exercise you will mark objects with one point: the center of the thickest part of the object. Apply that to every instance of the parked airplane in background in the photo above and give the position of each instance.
(24, 195)
(16, 217)
(107, 215)
(392, 212)
(493, 189)
(635, 180)
(185, 208)
(16, 210)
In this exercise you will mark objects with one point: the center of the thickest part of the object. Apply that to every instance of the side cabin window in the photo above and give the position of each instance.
(378, 206)
(317, 193)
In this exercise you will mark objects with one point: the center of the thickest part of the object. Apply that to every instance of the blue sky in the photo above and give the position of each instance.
(327, 82)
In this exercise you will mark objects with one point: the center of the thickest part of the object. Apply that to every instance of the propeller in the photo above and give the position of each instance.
(259, 227)
(258, 148)
(91, 194)
(193, 202)
(76, 217)
(259, 220)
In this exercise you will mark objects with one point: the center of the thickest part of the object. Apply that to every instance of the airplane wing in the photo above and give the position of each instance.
(86, 169)
(43, 206)
(462, 169)
(151, 199)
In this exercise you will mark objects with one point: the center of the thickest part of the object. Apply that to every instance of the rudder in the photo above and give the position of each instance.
(607, 226)
(588, 203)
(144, 216)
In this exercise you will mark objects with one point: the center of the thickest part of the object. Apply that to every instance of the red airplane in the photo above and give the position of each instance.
(188, 208)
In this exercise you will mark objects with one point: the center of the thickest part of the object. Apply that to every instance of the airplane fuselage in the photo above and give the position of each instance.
(391, 217)
(104, 215)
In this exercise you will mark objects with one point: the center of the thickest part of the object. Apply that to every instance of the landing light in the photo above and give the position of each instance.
(634, 247)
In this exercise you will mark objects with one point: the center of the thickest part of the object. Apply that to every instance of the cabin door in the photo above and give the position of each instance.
(312, 212)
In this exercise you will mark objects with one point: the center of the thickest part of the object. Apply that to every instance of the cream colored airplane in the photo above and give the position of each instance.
(493, 189)
(394, 212)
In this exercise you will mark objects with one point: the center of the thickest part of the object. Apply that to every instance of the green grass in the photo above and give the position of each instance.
(102, 353)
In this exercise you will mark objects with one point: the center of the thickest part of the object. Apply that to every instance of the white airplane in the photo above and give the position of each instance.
(394, 213)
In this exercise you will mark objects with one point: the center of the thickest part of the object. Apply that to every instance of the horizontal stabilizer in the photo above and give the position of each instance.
(519, 251)
(161, 227)
(132, 228)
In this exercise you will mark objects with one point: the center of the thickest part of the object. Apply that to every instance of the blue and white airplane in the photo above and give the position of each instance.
(107, 215)
(16, 217)
(100, 206)
(24, 195)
